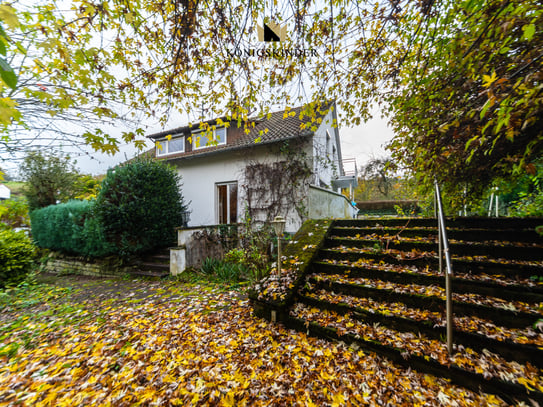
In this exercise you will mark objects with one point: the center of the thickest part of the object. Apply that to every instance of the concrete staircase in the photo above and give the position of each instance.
(375, 283)
(155, 264)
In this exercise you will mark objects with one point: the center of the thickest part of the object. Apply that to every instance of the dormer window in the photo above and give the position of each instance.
(170, 145)
(201, 139)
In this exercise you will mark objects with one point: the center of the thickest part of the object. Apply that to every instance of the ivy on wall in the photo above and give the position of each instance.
(277, 188)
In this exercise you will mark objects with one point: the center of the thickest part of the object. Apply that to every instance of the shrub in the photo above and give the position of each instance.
(223, 270)
(14, 214)
(254, 264)
(528, 205)
(70, 228)
(16, 257)
(229, 272)
(140, 206)
(209, 266)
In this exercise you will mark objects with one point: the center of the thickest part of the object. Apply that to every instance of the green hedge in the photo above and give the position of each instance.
(16, 257)
(70, 228)
(140, 205)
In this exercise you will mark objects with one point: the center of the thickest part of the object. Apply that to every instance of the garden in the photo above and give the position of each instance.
(84, 341)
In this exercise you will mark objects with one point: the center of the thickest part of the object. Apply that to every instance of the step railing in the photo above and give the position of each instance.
(444, 250)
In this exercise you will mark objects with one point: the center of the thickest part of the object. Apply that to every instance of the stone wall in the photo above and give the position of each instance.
(57, 263)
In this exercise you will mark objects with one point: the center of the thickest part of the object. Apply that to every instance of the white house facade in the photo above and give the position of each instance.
(5, 192)
(285, 165)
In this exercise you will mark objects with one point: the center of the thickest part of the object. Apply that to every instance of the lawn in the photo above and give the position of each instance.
(81, 341)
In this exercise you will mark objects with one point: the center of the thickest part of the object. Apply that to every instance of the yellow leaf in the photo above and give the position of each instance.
(489, 79)
(338, 400)
(9, 16)
(229, 400)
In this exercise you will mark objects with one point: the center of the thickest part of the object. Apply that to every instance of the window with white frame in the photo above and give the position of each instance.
(171, 145)
(202, 139)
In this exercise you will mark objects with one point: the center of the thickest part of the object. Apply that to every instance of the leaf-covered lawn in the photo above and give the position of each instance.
(168, 343)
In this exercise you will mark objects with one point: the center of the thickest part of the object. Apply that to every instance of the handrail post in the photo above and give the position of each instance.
(444, 247)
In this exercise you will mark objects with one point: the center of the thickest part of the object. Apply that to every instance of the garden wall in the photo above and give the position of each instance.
(57, 263)
(195, 244)
(328, 204)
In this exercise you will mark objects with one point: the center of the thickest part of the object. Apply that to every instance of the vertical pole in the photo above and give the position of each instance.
(448, 292)
(278, 255)
(497, 206)
(490, 204)
(440, 240)
(449, 312)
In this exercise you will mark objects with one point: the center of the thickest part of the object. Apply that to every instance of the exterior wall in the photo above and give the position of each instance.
(326, 153)
(200, 175)
(197, 244)
(327, 204)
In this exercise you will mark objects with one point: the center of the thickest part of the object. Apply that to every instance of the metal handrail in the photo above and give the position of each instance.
(444, 248)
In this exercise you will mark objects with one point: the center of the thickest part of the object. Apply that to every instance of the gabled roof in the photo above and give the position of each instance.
(280, 126)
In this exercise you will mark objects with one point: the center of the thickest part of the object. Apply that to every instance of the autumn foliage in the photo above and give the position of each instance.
(169, 344)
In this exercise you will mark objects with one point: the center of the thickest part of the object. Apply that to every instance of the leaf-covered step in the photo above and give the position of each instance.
(456, 223)
(535, 308)
(476, 339)
(526, 236)
(501, 316)
(505, 251)
(531, 284)
(530, 291)
(467, 264)
(469, 324)
(475, 371)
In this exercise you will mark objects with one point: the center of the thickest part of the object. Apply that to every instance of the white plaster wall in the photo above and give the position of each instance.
(328, 204)
(326, 167)
(201, 174)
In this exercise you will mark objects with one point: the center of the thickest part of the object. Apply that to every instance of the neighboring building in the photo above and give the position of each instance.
(5, 192)
(283, 164)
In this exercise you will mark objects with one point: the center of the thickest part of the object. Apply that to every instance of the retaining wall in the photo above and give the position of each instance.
(61, 264)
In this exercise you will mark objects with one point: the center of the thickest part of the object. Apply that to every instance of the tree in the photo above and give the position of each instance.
(96, 60)
(140, 205)
(461, 79)
(49, 179)
(56, 87)
(4, 175)
(467, 103)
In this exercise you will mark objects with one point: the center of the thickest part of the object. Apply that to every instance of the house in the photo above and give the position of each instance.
(287, 163)
(5, 192)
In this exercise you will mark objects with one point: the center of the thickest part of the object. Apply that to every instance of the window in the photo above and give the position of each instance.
(227, 202)
(201, 140)
(173, 145)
